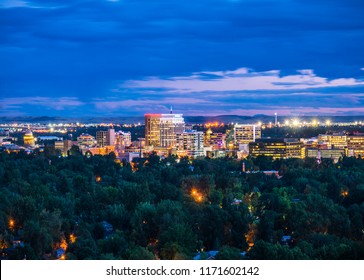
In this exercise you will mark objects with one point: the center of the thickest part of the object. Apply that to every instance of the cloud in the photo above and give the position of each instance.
(50, 103)
(241, 79)
(13, 4)
(160, 49)
(242, 91)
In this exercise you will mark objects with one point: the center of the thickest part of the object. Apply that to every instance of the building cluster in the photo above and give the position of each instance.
(168, 134)
(324, 146)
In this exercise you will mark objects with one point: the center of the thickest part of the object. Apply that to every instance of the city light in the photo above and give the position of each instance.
(345, 193)
(328, 122)
(11, 223)
(296, 122)
(197, 196)
(72, 238)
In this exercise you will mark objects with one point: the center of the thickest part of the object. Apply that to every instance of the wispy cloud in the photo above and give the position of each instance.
(13, 4)
(242, 91)
(59, 103)
(242, 79)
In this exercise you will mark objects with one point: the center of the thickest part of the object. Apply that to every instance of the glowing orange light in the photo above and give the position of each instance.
(11, 223)
(62, 257)
(98, 178)
(196, 195)
(345, 193)
(73, 238)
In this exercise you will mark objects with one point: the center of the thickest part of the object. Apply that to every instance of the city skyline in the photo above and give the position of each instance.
(221, 57)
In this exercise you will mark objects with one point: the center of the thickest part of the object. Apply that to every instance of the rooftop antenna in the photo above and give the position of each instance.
(275, 119)
(171, 110)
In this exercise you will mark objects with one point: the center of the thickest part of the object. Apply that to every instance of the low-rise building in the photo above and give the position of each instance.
(86, 141)
(277, 148)
(356, 145)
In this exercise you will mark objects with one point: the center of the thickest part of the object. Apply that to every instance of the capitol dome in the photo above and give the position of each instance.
(29, 138)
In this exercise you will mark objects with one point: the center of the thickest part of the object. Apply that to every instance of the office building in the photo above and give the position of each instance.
(161, 129)
(190, 143)
(86, 140)
(122, 140)
(277, 148)
(334, 141)
(333, 154)
(294, 148)
(105, 138)
(217, 140)
(355, 145)
(58, 145)
(152, 129)
(63, 146)
(246, 133)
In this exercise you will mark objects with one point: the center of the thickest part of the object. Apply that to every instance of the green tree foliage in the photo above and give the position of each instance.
(96, 208)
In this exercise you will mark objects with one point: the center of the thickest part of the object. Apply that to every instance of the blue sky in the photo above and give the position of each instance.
(203, 57)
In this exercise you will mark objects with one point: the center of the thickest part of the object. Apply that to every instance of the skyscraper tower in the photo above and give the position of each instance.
(161, 129)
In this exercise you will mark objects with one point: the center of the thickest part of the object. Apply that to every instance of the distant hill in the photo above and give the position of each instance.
(188, 119)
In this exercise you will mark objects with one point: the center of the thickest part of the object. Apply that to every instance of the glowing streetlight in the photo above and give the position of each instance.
(296, 122)
(328, 122)
(11, 223)
(72, 238)
(345, 193)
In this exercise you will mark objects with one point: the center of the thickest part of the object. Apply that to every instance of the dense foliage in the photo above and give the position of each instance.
(99, 208)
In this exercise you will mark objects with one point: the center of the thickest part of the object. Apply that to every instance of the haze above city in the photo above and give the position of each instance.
(207, 57)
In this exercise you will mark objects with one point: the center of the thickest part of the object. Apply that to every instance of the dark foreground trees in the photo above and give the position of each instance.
(96, 208)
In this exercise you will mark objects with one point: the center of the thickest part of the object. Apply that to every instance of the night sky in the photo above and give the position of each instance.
(203, 57)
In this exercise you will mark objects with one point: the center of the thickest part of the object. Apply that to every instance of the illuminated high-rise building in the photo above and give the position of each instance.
(170, 126)
(101, 138)
(152, 130)
(246, 133)
(161, 129)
